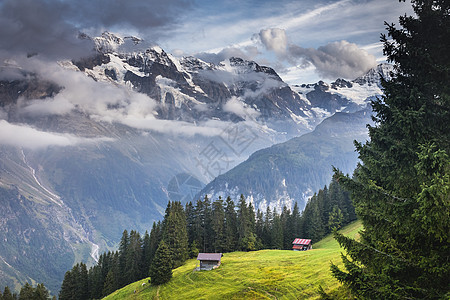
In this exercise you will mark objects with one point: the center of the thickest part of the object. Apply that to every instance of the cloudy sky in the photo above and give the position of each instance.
(303, 40)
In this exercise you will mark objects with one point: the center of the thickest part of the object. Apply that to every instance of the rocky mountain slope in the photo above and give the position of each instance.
(292, 171)
(91, 147)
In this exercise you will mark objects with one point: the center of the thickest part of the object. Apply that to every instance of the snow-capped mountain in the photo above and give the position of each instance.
(189, 89)
(101, 144)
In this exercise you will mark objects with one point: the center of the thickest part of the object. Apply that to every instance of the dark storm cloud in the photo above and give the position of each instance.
(50, 28)
(138, 14)
(36, 26)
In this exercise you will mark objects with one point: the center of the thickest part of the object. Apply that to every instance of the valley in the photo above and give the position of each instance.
(111, 157)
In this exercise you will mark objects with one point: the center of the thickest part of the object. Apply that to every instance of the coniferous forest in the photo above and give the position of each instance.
(27, 292)
(401, 190)
(206, 226)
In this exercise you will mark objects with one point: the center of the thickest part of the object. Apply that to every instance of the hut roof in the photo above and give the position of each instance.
(209, 256)
(301, 242)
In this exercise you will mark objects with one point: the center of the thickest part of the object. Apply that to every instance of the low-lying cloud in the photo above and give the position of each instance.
(247, 53)
(234, 105)
(20, 135)
(105, 102)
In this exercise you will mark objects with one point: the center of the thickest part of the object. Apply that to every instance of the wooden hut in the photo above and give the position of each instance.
(209, 261)
(301, 245)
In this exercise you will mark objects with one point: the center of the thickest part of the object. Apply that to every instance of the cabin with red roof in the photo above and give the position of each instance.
(209, 261)
(301, 245)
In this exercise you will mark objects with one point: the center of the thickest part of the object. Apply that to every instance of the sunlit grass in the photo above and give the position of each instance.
(265, 274)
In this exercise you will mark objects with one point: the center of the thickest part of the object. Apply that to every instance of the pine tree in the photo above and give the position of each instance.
(67, 291)
(230, 226)
(82, 281)
(259, 229)
(246, 225)
(175, 233)
(268, 221)
(26, 292)
(134, 259)
(401, 190)
(287, 227)
(7, 294)
(95, 281)
(276, 233)
(161, 268)
(218, 220)
(123, 250)
(155, 239)
(335, 219)
(313, 225)
(190, 221)
(75, 283)
(110, 283)
(295, 222)
(146, 255)
(41, 293)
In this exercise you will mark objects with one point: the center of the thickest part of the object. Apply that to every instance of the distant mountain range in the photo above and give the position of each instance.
(92, 147)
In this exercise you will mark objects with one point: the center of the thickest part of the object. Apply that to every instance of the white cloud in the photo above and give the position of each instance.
(21, 135)
(247, 53)
(274, 39)
(336, 59)
(234, 105)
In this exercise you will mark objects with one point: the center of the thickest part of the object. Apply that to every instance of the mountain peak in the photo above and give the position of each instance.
(374, 75)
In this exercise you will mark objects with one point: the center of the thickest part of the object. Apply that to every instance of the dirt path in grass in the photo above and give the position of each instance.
(157, 292)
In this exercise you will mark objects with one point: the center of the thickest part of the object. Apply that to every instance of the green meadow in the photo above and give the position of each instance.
(265, 274)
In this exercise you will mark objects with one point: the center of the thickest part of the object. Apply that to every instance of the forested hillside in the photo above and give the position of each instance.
(206, 226)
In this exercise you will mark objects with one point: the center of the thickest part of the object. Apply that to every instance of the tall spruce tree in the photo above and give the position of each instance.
(401, 190)
(246, 225)
(26, 292)
(68, 287)
(82, 281)
(110, 283)
(161, 268)
(267, 229)
(175, 233)
(146, 254)
(134, 258)
(123, 252)
(202, 224)
(189, 211)
(295, 223)
(95, 282)
(7, 295)
(155, 239)
(218, 225)
(276, 232)
(230, 225)
(41, 293)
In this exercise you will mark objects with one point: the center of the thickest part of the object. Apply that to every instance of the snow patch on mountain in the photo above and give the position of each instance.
(168, 86)
(358, 94)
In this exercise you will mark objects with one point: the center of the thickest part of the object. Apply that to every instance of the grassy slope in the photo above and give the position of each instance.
(264, 274)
